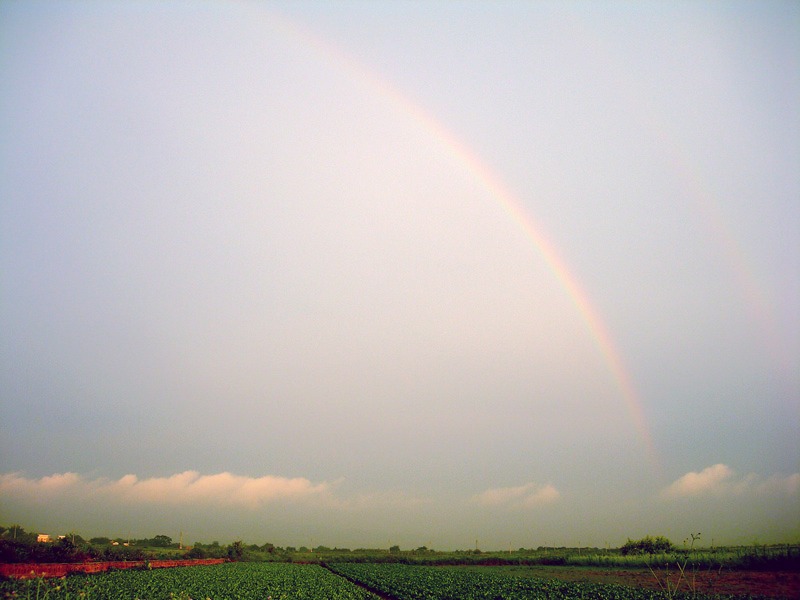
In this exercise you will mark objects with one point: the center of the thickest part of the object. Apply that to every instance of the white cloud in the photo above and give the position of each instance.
(223, 489)
(192, 488)
(693, 483)
(720, 479)
(522, 496)
(544, 495)
(780, 485)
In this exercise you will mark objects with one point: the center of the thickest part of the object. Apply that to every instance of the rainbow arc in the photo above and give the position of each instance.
(481, 172)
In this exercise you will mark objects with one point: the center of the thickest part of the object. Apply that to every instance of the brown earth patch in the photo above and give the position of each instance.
(772, 584)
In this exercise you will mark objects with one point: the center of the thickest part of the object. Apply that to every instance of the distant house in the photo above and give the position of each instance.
(43, 538)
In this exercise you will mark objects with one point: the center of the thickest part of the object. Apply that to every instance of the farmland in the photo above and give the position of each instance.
(230, 581)
(59, 570)
(408, 582)
(338, 581)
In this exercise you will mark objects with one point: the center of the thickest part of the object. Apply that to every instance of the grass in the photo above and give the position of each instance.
(777, 557)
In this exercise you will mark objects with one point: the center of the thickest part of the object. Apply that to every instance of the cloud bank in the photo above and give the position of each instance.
(720, 479)
(523, 496)
(189, 487)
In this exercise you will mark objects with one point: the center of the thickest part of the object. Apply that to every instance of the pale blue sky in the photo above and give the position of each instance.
(242, 240)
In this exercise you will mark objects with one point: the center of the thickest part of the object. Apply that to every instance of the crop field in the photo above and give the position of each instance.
(342, 581)
(435, 583)
(230, 581)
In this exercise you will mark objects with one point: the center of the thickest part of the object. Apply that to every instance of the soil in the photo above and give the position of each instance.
(772, 584)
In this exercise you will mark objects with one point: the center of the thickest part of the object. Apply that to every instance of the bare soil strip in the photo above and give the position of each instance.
(772, 584)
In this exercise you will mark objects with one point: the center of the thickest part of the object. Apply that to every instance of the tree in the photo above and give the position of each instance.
(100, 541)
(77, 539)
(161, 541)
(236, 550)
(64, 548)
(18, 533)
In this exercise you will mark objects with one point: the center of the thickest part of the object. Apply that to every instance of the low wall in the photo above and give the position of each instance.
(24, 570)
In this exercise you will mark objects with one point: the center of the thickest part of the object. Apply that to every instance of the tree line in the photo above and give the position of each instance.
(18, 546)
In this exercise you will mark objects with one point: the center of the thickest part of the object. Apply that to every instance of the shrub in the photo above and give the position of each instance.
(647, 545)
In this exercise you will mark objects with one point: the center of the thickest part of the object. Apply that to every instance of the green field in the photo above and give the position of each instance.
(409, 582)
(231, 581)
(340, 581)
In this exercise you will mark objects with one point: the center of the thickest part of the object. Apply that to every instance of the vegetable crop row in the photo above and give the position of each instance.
(230, 581)
(407, 582)
(273, 581)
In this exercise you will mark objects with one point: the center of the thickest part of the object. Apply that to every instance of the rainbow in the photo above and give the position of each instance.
(720, 232)
(480, 171)
(708, 213)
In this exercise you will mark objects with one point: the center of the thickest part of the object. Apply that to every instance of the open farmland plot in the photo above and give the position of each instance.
(406, 582)
(232, 581)
(271, 581)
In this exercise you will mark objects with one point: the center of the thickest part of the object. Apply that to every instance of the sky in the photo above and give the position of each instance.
(358, 274)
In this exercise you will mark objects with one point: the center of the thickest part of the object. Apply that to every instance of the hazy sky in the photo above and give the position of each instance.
(366, 273)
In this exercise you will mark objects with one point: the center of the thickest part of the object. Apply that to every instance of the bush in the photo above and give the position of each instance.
(197, 552)
(647, 545)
